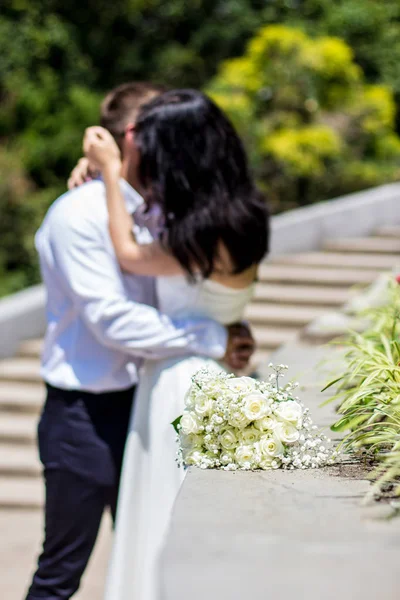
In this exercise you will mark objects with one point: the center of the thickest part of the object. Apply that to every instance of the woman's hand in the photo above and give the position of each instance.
(101, 150)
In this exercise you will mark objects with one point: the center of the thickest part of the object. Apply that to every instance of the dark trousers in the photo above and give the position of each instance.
(81, 444)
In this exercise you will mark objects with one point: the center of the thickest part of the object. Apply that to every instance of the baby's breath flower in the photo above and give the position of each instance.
(235, 423)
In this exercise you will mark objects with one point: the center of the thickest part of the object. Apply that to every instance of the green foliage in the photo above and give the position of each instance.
(21, 208)
(56, 61)
(369, 392)
(58, 58)
(370, 27)
(313, 125)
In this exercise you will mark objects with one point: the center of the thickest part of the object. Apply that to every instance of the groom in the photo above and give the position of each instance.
(101, 323)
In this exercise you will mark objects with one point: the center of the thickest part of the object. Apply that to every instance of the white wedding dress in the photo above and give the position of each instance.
(150, 477)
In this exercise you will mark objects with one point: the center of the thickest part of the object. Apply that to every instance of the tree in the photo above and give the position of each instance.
(57, 59)
(313, 126)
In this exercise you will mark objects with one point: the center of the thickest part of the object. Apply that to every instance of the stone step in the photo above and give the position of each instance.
(31, 348)
(18, 461)
(17, 493)
(20, 369)
(21, 397)
(314, 275)
(18, 429)
(374, 245)
(336, 259)
(389, 231)
(310, 295)
(259, 312)
(270, 338)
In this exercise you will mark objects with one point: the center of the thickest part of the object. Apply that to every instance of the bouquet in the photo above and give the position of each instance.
(235, 423)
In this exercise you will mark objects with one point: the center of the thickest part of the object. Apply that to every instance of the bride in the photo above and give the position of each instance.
(192, 165)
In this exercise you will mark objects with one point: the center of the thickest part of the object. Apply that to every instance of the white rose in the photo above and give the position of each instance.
(255, 406)
(290, 411)
(250, 435)
(203, 405)
(241, 385)
(266, 423)
(191, 441)
(189, 424)
(193, 457)
(238, 419)
(228, 439)
(227, 457)
(265, 463)
(270, 446)
(244, 455)
(287, 433)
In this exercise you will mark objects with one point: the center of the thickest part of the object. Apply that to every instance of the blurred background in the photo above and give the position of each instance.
(311, 85)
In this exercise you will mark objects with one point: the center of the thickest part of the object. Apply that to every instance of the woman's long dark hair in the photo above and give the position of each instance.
(193, 164)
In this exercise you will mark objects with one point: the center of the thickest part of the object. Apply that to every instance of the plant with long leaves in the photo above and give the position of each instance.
(368, 392)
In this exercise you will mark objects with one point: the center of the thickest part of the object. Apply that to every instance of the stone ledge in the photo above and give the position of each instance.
(277, 534)
(355, 215)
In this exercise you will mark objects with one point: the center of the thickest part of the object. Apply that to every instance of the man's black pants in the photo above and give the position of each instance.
(81, 444)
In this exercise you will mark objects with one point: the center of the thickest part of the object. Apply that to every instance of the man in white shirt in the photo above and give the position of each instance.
(101, 323)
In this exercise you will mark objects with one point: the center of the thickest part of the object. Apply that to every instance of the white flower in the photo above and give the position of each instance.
(189, 399)
(265, 463)
(228, 439)
(287, 433)
(189, 423)
(270, 446)
(241, 385)
(256, 406)
(238, 423)
(250, 435)
(227, 457)
(239, 420)
(191, 441)
(244, 455)
(290, 411)
(193, 457)
(266, 423)
(203, 405)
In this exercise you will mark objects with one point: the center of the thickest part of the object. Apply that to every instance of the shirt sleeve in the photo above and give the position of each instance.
(92, 279)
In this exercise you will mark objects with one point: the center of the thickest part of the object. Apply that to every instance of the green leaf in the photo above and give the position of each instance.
(331, 383)
(348, 423)
(176, 423)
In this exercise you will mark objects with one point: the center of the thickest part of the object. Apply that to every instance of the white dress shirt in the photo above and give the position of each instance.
(102, 322)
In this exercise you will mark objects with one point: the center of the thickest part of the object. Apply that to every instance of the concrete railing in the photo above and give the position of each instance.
(356, 215)
(302, 229)
(22, 316)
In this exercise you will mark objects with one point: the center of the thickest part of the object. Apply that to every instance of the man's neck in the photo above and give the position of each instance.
(130, 176)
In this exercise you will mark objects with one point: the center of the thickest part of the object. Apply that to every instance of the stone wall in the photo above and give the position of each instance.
(22, 316)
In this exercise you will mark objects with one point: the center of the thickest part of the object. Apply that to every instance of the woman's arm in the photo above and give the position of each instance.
(149, 259)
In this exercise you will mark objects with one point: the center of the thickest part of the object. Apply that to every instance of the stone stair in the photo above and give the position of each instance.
(291, 292)
(21, 399)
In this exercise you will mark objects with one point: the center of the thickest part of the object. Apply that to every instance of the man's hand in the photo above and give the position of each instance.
(82, 172)
(240, 346)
